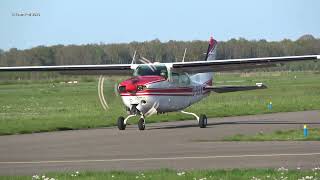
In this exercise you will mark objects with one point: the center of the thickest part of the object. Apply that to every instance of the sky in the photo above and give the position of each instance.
(102, 21)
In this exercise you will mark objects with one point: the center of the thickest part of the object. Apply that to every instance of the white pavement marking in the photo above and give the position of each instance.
(166, 158)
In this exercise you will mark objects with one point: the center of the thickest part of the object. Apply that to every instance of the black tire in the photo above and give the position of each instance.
(121, 125)
(203, 121)
(141, 124)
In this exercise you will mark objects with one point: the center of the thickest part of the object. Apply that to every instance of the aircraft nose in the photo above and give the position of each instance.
(131, 87)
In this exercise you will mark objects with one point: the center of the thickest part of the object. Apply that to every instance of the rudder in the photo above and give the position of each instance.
(212, 49)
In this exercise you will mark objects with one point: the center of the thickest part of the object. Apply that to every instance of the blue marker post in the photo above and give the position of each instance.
(270, 105)
(305, 131)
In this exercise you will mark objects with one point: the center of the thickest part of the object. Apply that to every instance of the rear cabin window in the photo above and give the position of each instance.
(181, 79)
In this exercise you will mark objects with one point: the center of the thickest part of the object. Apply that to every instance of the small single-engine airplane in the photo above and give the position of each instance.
(168, 87)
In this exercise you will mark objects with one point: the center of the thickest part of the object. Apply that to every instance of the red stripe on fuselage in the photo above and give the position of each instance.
(178, 91)
(163, 94)
(166, 92)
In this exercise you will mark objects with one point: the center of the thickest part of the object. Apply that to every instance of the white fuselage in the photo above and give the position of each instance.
(175, 93)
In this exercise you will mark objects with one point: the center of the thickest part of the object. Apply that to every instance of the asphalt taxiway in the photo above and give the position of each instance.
(178, 145)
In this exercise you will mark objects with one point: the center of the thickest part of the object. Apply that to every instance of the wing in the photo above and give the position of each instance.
(225, 89)
(191, 67)
(110, 69)
(236, 64)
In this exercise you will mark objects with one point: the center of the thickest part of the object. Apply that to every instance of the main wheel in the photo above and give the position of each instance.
(141, 124)
(203, 121)
(121, 124)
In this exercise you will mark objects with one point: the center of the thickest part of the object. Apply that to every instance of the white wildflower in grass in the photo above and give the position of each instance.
(77, 172)
(112, 176)
(52, 179)
(316, 168)
(298, 168)
(255, 178)
(46, 178)
(142, 175)
(282, 169)
(181, 173)
(43, 176)
(137, 177)
(307, 177)
(203, 178)
(35, 177)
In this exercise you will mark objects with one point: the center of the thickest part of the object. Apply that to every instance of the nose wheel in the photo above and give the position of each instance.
(122, 122)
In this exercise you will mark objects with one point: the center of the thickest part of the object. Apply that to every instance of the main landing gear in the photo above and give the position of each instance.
(202, 120)
(122, 122)
(141, 124)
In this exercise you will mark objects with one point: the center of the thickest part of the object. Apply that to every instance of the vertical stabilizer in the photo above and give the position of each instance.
(212, 49)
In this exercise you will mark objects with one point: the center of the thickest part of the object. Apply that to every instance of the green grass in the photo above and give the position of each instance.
(27, 107)
(248, 174)
(290, 135)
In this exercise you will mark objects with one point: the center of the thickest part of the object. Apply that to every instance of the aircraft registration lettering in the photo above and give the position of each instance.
(197, 90)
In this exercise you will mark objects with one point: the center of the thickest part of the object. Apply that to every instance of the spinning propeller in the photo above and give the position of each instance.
(102, 99)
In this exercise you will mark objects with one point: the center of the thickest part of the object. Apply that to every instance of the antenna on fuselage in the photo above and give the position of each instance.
(184, 54)
(134, 58)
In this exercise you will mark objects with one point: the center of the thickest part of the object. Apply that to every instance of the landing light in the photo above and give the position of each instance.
(141, 87)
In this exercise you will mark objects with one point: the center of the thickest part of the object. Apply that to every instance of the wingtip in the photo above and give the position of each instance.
(318, 56)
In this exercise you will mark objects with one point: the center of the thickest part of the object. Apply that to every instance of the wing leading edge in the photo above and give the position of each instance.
(109, 69)
(190, 67)
(237, 64)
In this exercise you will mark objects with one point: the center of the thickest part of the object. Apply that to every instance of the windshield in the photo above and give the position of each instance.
(151, 70)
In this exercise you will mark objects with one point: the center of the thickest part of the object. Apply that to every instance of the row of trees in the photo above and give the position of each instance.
(155, 50)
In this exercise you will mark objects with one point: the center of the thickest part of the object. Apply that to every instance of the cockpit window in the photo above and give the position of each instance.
(151, 70)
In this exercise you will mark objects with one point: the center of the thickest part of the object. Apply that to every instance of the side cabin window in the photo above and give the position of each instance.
(180, 79)
(151, 70)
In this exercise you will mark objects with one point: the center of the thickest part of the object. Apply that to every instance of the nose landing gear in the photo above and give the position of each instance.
(122, 122)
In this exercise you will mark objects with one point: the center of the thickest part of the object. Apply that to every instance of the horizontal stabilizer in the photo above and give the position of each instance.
(225, 89)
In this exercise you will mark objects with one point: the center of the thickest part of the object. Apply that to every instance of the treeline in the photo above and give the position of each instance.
(171, 51)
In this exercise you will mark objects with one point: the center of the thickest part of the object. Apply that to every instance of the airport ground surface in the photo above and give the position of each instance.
(177, 145)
